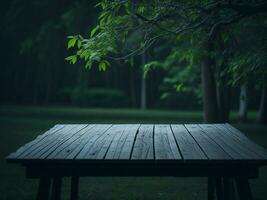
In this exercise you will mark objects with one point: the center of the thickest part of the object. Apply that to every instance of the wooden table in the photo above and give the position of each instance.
(217, 151)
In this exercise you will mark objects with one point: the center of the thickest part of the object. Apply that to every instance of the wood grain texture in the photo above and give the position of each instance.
(189, 143)
(121, 145)
(165, 145)
(239, 137)
(230, 146)
(189, 148)
(91, 137)
(211, 148)
(35, 142)
(144, 148)
(53, 142)
(65, 149)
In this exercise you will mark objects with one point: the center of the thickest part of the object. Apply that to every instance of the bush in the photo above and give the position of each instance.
(186, 100)
(96, 97)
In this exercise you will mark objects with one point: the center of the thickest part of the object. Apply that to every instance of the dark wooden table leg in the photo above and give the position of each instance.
(226, 188)
(211, 189)
(243, 188)
(74, 188)
(229, 186)
(219, 188)
(43, 189)
(56, 189)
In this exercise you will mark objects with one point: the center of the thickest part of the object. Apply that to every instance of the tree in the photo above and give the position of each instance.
(167, 20)
(248, 65)
(262, 116)
(143, 85)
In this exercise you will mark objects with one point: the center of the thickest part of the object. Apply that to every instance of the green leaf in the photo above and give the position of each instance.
(102, 66)
(80, 37)
(149, 66)
(164, 96)
(94, 30)
(72, 59)
(88, 64)
(141, 9)
(179, 87)
(72, 42)
(98, 4)
(94, 56)
(85, 55)
(79, 43)
(107, 63)
(103, 15)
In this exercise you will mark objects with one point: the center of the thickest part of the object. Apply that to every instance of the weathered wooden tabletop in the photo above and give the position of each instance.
(217, 151)
(189, 143)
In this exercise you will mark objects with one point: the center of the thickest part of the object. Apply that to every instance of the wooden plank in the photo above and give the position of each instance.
(56, 188)
(91, 152)
(239, 137)
(124, 151)
(74, 193)
(219, 188)
(51, 143)
(44, 142)
(210, 148)
(77, 146)
(243, 188)
(236, 132)
(35, 142)
(165, 145)
(105, 143)
(226, 188)
(63, 150)
(261, 150)
(79, 149)
(211, 188)
(118, 142)
(230, 146)
(189, 148)
(66, 136)
(143, 146)
(43, 192)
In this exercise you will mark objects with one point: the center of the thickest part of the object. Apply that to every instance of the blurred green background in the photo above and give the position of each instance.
(39, 88)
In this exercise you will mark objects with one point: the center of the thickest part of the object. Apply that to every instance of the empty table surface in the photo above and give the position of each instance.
(217, 151)
(143, 143)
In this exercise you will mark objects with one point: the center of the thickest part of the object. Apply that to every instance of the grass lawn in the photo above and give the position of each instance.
(19, 125)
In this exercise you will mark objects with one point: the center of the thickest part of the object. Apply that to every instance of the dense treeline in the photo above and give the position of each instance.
(33, 37)
(223, 42)
(33, 67)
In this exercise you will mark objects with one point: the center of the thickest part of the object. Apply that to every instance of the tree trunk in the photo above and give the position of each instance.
(133, 88)
(223, 89)
(224, 102)
(143, 85)
(243, 103)
(262, 116)
(209, 87)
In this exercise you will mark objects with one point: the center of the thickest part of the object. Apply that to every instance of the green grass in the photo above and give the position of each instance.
(19, 125)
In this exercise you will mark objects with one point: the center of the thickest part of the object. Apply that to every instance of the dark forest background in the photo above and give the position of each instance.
(33, 38)
(39, 88)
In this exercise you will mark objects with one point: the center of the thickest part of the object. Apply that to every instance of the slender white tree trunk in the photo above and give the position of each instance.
(262, 115)
(243, 100)
(143, 85)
